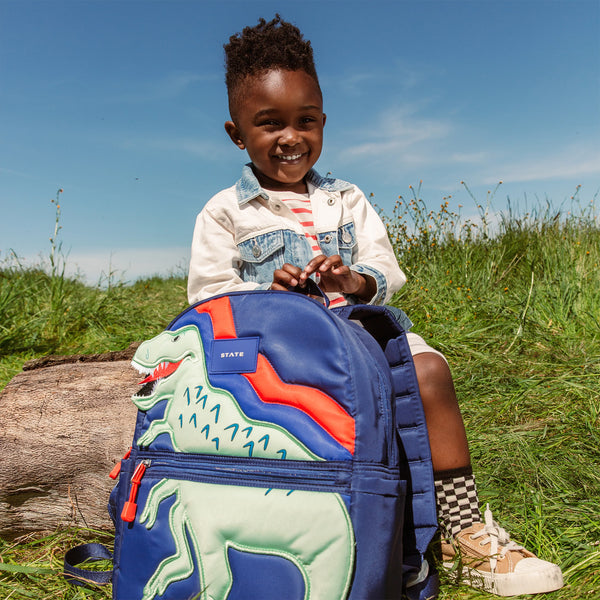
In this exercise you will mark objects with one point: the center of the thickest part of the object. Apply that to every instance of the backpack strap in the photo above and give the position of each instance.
(310, 288)
(377, 320)
(411, 428)
(86, 552)
(420, 519)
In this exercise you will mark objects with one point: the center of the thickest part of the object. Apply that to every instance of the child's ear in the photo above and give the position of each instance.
(234, 133)
(324, 119)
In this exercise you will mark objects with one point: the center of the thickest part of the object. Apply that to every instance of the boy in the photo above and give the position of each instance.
(282, 223)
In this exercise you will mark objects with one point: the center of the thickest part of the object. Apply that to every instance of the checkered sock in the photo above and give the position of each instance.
(457, 501)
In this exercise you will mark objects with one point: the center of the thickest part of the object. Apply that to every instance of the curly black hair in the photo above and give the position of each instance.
(276, 44)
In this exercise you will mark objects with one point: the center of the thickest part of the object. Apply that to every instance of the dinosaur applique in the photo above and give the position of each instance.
(198, 417)
(311, 529)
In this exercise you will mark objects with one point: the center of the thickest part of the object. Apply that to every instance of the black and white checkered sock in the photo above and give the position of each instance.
(457, 501)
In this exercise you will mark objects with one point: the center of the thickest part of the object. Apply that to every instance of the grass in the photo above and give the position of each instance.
(91, 319)
(514, 303)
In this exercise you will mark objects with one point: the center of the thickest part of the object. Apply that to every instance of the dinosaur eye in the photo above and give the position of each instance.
(175, 338)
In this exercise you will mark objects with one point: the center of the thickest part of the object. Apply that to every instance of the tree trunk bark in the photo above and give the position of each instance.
(64, 423)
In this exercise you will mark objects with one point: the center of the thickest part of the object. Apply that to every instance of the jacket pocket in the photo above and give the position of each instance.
(261, 255)
(261, 247)
(342, 242)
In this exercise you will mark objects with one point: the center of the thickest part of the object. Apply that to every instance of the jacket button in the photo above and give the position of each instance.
(346, 237)
(256, 251)
(331, 200)
(277, 207)
(327, 239)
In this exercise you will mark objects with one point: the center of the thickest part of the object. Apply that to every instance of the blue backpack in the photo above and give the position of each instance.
(280, 451)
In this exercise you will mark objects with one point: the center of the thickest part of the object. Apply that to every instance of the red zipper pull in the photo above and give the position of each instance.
(130, 507)
(117, 468)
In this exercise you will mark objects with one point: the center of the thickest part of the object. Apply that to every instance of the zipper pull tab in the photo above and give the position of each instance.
(130, 507)
(117, 468)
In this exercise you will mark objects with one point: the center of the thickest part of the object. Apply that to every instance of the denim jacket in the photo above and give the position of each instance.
(242, 235)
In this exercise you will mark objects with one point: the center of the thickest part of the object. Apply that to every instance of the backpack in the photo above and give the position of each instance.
(280, 451)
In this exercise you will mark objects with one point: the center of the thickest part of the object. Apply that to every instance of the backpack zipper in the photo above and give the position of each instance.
(329, 476)
(130, 507)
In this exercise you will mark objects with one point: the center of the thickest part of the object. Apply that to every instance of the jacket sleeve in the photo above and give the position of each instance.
(214, 262)
(375, 256)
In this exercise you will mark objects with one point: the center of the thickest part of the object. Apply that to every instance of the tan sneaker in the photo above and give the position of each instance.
(491, 561)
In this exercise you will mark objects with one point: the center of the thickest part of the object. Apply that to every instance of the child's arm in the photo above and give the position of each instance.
(374, 256)
(215, 262)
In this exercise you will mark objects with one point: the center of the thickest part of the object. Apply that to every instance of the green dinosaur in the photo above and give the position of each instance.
(199, 417)
(311, 529)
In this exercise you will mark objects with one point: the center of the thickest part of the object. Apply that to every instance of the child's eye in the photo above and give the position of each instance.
(268, 123)
(307, 122)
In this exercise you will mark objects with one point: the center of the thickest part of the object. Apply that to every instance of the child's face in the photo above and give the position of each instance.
(279, 122)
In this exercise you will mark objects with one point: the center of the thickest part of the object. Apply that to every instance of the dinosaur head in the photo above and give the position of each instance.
(161, 356)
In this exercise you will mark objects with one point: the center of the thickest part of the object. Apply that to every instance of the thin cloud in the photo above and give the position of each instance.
(399, 136)
(204, 148)
(14, 173)
(168, 87)
(571, 162)
(467, 157)
(362, 82)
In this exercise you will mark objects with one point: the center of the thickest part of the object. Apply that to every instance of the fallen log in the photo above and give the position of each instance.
(64, 423)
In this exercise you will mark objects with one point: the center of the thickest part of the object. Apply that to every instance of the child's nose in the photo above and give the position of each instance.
(289, 137)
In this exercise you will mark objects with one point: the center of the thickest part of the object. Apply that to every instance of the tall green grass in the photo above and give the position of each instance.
(515, 306)
(513, 300)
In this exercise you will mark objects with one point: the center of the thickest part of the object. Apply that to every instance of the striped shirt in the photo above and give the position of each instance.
(300, 206)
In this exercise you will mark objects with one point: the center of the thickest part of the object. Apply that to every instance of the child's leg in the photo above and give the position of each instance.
(490, 559)
(447, 437)
(456, 493)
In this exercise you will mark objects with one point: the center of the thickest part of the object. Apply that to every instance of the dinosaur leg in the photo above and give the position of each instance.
(324, 580)
(159, 492)
(155, 429)
(218, 574)
(178, 566)
(327, 554)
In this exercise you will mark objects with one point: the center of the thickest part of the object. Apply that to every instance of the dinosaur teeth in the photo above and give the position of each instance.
(140, 368)
(164, 369)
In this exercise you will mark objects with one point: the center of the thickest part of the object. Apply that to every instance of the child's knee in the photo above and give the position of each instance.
(430, 366)
(434, 377)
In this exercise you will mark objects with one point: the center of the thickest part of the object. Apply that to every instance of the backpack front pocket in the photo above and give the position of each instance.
(195, 512)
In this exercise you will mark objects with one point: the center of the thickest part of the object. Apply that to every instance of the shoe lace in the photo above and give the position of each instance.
(497, 537)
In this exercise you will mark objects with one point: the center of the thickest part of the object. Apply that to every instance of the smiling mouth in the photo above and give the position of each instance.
(288, 157)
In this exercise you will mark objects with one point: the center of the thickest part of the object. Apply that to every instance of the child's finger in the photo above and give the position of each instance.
(286, 277)
(314, 264)
(340, 269)
(331, 263)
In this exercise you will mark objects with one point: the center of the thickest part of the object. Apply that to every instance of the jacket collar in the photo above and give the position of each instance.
(247, 187)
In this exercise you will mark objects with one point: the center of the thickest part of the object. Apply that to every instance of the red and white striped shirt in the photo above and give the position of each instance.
(300, 206)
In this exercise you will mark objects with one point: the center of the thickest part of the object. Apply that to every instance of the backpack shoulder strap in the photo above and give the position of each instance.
(412, 432)
(420, 518)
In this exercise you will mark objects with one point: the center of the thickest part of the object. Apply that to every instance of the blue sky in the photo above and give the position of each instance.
(122, 104)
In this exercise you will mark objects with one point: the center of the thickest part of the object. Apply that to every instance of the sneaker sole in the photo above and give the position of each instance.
(512, 584)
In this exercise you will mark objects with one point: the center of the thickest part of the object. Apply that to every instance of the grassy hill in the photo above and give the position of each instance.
(514, 303)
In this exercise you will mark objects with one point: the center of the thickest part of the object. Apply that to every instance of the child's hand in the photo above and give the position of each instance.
(335, 276)
(286, 278)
